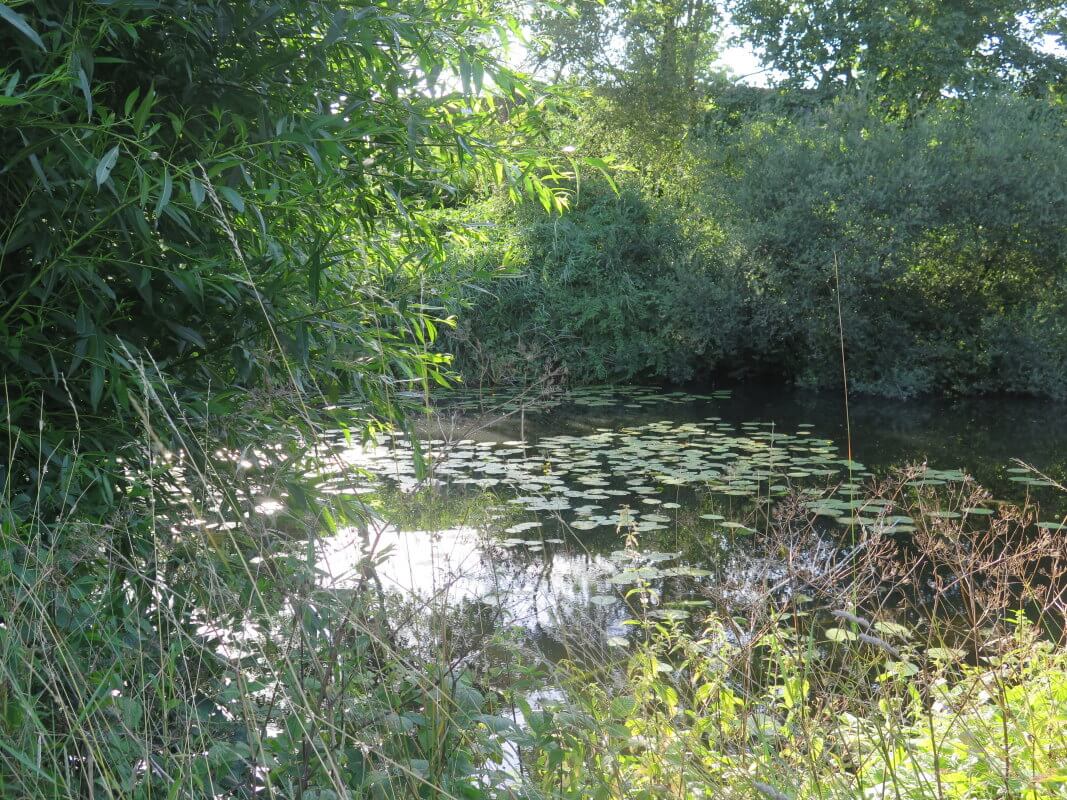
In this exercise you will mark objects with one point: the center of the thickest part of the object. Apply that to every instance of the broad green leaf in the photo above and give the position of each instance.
(233, 198)
(196, 191)
(840, 635)
(143, 110)
(131, 98)
(944, 653)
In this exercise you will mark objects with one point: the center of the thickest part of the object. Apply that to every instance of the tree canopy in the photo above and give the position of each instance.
(645, 45)
(201, 196)
(910, 52)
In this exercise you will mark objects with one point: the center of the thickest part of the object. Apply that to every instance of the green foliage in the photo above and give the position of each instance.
(214, 217)
(906, 168)
(685, 724)
(225, 195)
(612, 290)
(729, 250)
(909, 52)
(630, 281)
(645, 46)
(313, 697)
(947, 233)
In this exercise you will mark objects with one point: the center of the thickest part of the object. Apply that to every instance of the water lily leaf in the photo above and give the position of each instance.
(904, 669)
(892, 629)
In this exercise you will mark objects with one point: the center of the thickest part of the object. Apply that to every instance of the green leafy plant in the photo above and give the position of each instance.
(217, 219)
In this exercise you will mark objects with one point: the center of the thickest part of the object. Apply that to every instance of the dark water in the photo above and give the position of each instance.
(554, 559)
(983, 436)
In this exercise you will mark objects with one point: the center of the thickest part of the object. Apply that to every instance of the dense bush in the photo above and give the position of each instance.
(732, 241)
(611, 290)
(201, 197)
(632, 280)
(948, 233)
(215, 218)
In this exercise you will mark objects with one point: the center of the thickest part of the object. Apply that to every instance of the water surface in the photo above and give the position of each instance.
(689, 477)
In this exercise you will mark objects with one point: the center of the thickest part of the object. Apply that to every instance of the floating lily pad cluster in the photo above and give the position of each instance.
(646, 472)
(862, 511)
(638, 476)
(635, 476)
(637, 397)
(1027, 477)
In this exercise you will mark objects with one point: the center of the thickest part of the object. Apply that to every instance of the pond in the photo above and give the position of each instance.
(549, 515)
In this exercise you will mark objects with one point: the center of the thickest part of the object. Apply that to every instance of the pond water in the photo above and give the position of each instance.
(551, 514)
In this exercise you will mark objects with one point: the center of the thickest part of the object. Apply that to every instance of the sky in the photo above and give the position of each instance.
(742, 62)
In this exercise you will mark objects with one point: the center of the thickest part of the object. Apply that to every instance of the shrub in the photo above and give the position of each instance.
(731, 244)
(612, 290)
(684, 724)
(839, 677)
(947, 232)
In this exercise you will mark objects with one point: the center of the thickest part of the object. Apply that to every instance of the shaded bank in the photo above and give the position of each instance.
(730, 251)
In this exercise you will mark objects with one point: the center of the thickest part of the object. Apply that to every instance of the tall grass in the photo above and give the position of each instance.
(929, 666)
(234, 662)
(231, 662)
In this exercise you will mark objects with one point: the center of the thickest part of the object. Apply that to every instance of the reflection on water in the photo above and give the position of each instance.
(688, 477)
(546, 593)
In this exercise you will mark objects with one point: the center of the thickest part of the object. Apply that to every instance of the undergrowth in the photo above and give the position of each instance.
(928, 665)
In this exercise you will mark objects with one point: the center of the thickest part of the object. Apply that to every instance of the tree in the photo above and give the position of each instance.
(198, 196)
(216, 217)
(910, 51)
(655, 45)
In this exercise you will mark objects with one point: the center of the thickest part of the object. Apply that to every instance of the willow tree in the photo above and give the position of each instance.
(233, 195)
(215, 216)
